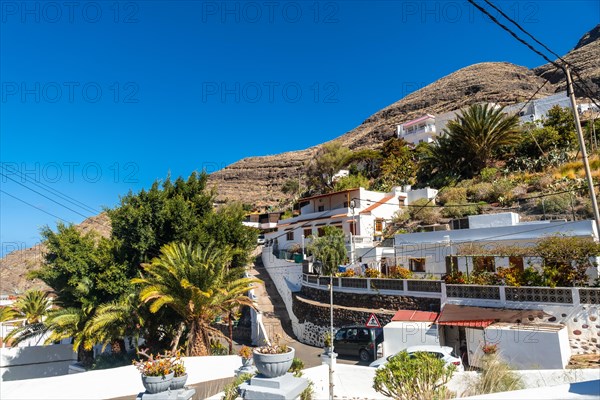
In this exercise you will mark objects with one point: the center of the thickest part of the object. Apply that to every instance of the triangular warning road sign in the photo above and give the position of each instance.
(373, 322)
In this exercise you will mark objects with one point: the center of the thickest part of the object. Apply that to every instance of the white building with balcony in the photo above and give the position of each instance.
(418, 130)
(441, 252)
(361, 214)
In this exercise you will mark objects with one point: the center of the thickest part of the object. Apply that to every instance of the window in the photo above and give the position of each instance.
(462, 223)
(451, 264)
(321, 208)
(417, 264)
(515, 261)
(320, 232)
(289, 235)
(484, 264)
(378, 225)
(307, 232)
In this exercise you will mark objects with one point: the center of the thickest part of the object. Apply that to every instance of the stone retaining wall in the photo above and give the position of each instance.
(373, 301)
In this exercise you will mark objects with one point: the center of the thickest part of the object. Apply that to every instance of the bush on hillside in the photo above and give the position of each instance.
(556, 204)
(456, 195)
(425, 211)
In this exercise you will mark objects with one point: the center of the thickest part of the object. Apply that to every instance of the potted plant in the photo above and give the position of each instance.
(246, 353)
(273, 360)
(489, 349)
(157, 371)
(180, 374)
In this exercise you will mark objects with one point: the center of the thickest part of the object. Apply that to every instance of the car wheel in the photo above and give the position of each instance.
(364, 355)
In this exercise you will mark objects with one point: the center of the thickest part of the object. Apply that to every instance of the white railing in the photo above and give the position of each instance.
(498, 295)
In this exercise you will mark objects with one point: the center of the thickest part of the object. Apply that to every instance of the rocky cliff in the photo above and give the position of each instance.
(257, 180)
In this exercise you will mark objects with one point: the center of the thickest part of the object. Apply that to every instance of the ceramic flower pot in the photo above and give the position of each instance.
(157, 384)
(273, 365)
(178, 382)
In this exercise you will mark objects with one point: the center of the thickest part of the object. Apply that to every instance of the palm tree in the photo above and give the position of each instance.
(113, 322)
(234, 297)
(477, 133)
(195, 281)
(7, 314)
(33, 305)
(71, 322)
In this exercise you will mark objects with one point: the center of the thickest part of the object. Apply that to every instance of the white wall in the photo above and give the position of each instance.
(36, 361)
(531, 348)
(398, 335)
(287, 277)
(493, 220)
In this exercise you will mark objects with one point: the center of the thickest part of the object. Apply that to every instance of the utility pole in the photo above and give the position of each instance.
(332, 355)
(586, 164)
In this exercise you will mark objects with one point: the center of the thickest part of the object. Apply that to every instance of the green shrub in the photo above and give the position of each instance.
(425, 211)
(230, 391)
(555, 204)
(457, 195)
(217, 348)
(419, 376)
(502, 192)
(483, 191)
(297, 367)
(453, 210)
(488, 174)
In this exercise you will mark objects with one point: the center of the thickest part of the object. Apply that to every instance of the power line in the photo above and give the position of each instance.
(51, 190)
(43, 195)
(513, 34)
(31, 205)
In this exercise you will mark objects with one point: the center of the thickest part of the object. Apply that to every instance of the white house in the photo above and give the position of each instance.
(362, 214)
(537, 110)
(418, 130)
(437, 252)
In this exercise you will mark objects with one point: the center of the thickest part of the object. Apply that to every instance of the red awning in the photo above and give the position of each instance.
(481, 317)
(417, 316)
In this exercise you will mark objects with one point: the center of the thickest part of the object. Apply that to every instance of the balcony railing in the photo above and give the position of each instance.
(498, 295)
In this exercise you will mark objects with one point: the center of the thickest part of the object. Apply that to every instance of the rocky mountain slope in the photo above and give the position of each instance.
(15, 266)
(257, 180)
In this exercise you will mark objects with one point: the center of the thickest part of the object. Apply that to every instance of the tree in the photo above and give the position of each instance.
(330, 158)
(167, 212)
(351, 182)
(33, 305)
(471, 142)
(195, 281)
(329, 249)
(566, 259)
(7, 313)
(115, 321)
(224, 227)
(562, 121)
(80, 268)
(367, 162)
(417, 376)
(71, 322)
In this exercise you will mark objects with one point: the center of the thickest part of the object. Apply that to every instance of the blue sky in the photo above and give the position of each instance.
(102, 97)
